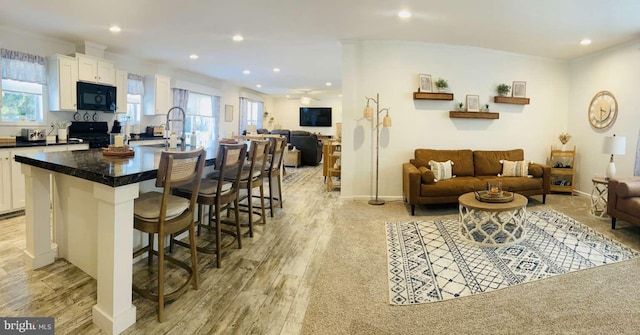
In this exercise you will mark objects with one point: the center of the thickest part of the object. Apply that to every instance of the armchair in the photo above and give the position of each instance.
(624, 200)
(309, 146)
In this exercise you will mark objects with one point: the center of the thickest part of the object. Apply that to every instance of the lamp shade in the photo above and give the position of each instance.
(614, 145)
(368, 112)
(386, 122)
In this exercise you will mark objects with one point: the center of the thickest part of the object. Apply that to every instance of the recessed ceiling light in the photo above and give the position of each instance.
(115, 29)
(585, 41)
(328, 83)
(258, 86)
(276, 69)
(238, 38)
(193, 56)
(404, 14)
(246, 72)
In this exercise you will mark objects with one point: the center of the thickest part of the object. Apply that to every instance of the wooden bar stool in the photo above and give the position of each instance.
(218, 193)
(164, 214)
(272, 171)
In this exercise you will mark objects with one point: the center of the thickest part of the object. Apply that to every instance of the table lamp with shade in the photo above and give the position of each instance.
(613, 145)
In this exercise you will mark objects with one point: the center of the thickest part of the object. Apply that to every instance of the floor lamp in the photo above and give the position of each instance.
(386, 122)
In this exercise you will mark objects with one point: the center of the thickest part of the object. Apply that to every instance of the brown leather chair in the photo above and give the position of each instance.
(624, 200)
(164, 214)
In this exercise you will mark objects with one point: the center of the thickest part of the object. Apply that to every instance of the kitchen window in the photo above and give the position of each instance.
(201, 118)
(250, 114)
(23, 87)
(135, 92)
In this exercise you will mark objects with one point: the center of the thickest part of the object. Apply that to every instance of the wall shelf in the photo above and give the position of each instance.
(473, 115)
(432, 96)
(510, 100)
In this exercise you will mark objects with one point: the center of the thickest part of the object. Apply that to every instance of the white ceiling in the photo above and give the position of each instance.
(302, 37)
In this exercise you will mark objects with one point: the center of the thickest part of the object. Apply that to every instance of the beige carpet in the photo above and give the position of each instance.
(350, 294)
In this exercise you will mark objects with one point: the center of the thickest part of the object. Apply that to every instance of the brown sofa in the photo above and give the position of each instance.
(624, 200)
(473, 169)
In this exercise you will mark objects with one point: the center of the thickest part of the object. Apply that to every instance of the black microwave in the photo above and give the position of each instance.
(96, 97)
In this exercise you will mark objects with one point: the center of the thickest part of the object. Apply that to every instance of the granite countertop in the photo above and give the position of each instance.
(108, 170)
(27, 144)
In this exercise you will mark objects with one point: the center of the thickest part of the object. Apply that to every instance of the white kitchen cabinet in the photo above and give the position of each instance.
(96, 70)
(157, 95)
(5, 181)
(63, 75)
(14, 187)
(121, 91)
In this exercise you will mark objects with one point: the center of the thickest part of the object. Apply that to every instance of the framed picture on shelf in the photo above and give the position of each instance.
(519, 89)
(473, 103)
(228, 113)
(425, 83)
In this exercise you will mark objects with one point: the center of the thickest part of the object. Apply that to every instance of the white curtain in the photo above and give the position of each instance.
(244, 111)
(22, 66)
(215, 105)
(180, 99)
(135, 84)
(260, 114)
(637, 171)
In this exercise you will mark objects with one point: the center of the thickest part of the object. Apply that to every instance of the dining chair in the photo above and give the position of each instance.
(218, 193)
(274, 166)
(163, 214)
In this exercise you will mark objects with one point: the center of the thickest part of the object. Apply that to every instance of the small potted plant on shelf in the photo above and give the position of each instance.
(441, 84)
(460, 106)
(503, 89)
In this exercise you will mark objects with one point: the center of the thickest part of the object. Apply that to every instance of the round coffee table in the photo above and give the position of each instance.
(490, 224)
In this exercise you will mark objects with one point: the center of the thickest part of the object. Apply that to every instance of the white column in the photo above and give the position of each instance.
(39, 251)
(114, 311)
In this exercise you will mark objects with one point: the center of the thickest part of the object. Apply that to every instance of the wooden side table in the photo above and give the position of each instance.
(599, 194)
(292, 157)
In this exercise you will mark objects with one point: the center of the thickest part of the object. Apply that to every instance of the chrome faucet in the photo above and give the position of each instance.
(184, 124)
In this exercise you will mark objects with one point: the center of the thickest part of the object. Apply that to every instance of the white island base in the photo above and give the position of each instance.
(92, 229)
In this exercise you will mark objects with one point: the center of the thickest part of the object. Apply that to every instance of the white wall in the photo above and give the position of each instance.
(286, 113)
(616, 70)
(391, 69)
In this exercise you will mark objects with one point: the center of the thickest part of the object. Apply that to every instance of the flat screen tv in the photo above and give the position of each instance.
(315, 116)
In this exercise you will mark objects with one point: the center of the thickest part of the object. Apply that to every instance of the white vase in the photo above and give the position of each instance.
(62, 135)
(564, 147)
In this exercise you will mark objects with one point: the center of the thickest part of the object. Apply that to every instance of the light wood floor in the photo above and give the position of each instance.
(263, 288)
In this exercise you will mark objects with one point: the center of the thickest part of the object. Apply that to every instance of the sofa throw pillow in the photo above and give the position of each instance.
(441, 170)
(426, 175)
(514, 168)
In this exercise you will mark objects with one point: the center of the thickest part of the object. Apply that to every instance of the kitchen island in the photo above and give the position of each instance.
(91, 196)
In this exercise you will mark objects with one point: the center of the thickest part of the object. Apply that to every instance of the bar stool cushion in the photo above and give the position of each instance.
(147, 206)
(209, 187)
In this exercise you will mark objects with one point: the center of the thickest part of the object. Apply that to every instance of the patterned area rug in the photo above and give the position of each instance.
(429, 261)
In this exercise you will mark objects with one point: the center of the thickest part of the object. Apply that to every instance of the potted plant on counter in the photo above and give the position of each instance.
(503, 89)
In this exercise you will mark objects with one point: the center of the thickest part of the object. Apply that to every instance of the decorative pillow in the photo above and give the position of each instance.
(418, 163)
(535, 170)
(426, 175)
(441, 170)
(515, 169)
